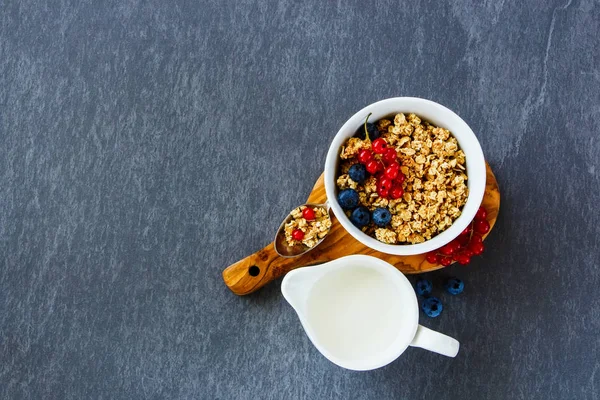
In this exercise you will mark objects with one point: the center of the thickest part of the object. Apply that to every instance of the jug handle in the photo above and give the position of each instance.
(428, 339)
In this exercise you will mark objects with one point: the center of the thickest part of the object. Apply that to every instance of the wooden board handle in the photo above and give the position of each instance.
(254, 271)
(260, 268)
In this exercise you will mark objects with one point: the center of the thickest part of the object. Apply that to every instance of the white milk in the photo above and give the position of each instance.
(355, 312)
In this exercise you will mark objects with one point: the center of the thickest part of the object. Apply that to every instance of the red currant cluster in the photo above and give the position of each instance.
(308, 214)
(383, 164)
(468, 244)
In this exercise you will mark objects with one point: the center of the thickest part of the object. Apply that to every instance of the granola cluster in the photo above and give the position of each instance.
(435, 188)
(312, 230)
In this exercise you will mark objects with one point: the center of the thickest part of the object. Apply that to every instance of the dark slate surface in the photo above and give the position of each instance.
(144, 146)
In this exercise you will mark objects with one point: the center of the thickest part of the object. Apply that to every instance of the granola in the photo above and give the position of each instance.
(434, 186)
(313, 229)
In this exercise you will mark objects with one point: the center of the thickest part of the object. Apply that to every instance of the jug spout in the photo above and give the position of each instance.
(296, 286)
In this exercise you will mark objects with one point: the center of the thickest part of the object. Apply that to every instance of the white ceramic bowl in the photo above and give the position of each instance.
(437, 115)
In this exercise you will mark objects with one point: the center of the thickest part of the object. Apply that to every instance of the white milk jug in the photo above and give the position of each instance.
(360, 312)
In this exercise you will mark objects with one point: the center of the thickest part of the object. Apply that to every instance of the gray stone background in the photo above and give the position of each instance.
(146, 145)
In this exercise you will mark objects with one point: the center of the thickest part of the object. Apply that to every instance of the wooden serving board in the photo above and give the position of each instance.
(260, 268)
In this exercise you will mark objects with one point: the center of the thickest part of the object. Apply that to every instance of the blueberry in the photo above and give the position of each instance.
(360, 217)
(423, 287)
(371, 128)
(454, 286)
(432, 307)
(358, 173)
(382, 216)
(348, 199)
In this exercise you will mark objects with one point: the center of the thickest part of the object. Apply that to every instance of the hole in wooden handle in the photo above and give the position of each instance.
(254, 270)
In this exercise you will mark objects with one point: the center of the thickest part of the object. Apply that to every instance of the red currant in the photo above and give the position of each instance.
(373, 166)
(456, 244)
(364, 156)
(463, 259)
(386, 183)
(396, 192)
(463, 240)
(467, 230)
(308, 214)
(448, 250)
(400, 178)
(297, 234)
(468, 253)
(391, 172)
(445, 261)
(477, 248)
(379, 145)
(481, 213)
(394, 165)
(481, 226)
(390, 156)
(383, 192)
(476, 238)
(432, 258)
